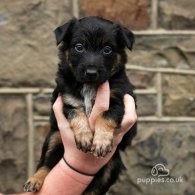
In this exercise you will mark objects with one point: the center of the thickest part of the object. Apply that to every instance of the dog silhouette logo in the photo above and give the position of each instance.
(159, 170)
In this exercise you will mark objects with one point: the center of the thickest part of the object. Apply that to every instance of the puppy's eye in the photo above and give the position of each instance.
(107, 50)
(79, 48)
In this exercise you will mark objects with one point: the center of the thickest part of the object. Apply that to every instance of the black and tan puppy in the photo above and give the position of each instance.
(91, 52)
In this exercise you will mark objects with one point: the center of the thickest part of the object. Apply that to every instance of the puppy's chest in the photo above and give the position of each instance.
(88, 94)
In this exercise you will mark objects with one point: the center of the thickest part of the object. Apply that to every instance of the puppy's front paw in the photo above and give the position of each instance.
(82, 132)
(102, 143)
(33, 184)
(103, 138)
(84, 140)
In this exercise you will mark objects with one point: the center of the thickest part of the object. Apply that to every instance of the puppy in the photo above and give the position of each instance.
(91, 52)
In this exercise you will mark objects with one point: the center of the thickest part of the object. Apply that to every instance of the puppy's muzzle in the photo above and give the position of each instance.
(91, 73)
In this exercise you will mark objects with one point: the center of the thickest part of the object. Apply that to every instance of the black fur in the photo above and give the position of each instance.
(93, 45)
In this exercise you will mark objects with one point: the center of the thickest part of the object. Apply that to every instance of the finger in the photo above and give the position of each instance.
(130, 116)
(101, 103)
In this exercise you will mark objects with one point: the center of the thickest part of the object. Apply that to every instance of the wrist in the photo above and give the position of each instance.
(78, 177)
(76, 170)
(85, 163)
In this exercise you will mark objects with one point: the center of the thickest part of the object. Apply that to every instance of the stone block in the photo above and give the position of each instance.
(13, 143)
(131, 13)
(141, 79)
(170, 144)
(178, 95)
(146, 105)
(164, 51)
(177, 14)
(42, 105)
(29, 53)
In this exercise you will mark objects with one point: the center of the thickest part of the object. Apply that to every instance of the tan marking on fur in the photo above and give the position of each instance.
(118, 58)
(41, 173)
(115, 65)
(66, 54)
(105, 124)
(82, 132)
(79, 123)
(54, 140)
(104, 134)
(36, 181)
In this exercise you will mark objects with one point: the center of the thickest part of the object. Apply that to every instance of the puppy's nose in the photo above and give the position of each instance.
(91, 73)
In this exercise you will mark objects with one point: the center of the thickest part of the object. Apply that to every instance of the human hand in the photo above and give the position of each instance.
(87, 162)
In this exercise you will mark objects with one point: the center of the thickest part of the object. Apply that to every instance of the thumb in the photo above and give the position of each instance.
(101, 104)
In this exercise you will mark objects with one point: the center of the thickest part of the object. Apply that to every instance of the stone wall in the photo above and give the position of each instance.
(161, 67)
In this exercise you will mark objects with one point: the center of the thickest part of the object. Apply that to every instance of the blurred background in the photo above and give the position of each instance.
(161, 66)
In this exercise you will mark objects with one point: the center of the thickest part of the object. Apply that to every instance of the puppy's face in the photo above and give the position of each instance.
(93, 48)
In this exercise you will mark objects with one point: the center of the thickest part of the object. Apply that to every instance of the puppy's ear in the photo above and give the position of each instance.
(127, 37)
(63, 32)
